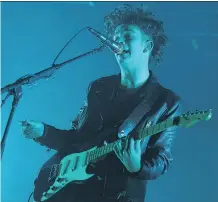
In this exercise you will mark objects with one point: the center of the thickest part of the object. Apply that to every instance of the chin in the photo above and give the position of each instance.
(124, 60)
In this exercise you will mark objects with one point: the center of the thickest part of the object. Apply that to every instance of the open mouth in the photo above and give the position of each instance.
(126, 51)
(124, 55)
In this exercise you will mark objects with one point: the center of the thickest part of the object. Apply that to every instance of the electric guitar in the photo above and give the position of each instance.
(61, 170)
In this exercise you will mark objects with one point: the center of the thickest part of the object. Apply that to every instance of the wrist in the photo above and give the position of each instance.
(136, 168)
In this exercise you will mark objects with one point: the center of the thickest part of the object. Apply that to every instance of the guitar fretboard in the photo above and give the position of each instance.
(146, 132)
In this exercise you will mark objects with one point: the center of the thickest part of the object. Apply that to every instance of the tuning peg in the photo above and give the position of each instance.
(188, 113)
(184, 115)
(209, 110)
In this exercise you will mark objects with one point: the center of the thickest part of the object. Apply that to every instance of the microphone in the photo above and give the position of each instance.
(112, 45)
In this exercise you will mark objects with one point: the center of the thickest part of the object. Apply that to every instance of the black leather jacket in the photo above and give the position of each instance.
(156, 150)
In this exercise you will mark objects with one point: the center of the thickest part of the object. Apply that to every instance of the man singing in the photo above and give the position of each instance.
(122, 175)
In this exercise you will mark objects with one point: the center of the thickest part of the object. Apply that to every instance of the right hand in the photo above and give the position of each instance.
(32, 129)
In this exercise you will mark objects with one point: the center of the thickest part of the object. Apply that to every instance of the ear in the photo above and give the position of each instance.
(148, 46)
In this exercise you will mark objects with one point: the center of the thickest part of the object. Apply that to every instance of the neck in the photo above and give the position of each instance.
(134, 77)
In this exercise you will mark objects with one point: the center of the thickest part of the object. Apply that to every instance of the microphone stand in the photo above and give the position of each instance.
(15, 88)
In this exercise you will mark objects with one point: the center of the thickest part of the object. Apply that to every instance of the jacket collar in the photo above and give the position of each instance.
(149, 85)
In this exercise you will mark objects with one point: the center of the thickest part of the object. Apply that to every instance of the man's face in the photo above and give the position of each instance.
(133, 41)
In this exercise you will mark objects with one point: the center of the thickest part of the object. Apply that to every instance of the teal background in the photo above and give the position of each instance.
(32, 35)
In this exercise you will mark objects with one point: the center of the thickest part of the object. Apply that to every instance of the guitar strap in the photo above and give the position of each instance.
(143, 108)
(152, 95)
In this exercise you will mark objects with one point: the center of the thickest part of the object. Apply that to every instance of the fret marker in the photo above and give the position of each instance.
(148, 124)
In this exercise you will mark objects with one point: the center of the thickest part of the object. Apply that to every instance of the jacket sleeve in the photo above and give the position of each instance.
(56, 139)
(157, 157)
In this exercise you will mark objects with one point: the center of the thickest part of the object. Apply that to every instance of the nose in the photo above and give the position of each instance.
(120, 42)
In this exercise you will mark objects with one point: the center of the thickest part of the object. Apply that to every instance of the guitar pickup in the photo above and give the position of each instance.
(54, 172)
(60, 180)
(53, 188)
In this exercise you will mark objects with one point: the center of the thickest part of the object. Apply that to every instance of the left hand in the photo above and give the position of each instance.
(130, 155)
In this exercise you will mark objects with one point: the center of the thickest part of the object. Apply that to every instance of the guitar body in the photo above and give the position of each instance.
(59, 171)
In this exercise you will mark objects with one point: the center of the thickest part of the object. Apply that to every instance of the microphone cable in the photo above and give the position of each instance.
(67, 45)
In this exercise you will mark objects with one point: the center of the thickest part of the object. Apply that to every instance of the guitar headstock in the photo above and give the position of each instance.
(190, 118)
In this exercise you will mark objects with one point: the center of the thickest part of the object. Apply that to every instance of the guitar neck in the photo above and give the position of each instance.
(146, 132)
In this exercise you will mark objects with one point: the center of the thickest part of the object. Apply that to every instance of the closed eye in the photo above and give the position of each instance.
(128, 38)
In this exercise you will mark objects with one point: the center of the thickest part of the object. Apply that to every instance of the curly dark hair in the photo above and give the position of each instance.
(143, 18)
